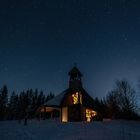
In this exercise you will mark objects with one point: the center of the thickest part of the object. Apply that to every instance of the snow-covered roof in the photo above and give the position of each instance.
(56, 100)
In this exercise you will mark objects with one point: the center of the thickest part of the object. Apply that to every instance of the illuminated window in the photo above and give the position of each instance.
(80, 99)
(75, 98)
(64, 114)
(42, 109)
(90, 114)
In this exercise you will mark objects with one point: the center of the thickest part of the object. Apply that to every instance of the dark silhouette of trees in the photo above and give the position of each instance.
(13, 107)
(121, 102)
(112, 106)
(3, 102)
(22, 105)
(100, 107)
(49, 96)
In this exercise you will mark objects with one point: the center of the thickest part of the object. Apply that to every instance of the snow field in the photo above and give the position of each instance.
(54, 130)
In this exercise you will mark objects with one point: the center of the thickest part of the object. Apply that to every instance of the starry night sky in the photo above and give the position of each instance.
(40, 40)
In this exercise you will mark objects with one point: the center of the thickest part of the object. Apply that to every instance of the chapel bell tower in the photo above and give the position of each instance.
(75, 82)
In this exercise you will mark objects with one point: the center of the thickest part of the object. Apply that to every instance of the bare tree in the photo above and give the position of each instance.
(112, 104)
(126, 96)
(121, 101)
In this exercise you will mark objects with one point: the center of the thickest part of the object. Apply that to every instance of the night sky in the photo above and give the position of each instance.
(40, 40)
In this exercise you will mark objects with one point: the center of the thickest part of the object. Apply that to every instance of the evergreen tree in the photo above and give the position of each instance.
(41, 99)
(21, 106)
(3, 102)
(50, 96)
(13, 106)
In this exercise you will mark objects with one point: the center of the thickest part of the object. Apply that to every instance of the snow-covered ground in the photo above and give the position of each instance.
(54, 130)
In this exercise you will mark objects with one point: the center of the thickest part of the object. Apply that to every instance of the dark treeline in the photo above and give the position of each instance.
(16, 106)
(120, 103)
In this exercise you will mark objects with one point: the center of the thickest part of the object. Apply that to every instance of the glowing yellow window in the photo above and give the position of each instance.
(76, 97)
(90, 114)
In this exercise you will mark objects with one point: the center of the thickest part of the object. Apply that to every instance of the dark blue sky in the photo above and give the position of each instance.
(41, 39)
